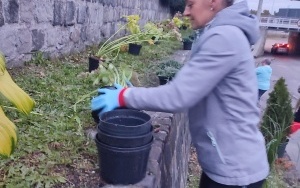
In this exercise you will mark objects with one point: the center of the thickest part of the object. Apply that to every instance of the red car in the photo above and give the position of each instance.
(280, 48)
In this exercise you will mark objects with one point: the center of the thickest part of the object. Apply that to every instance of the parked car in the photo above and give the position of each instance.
(280, 48)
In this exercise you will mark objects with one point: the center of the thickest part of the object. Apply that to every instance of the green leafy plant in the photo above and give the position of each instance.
(279, 110)
(110, 49)
(168, 68)
(38, 59)
(186, 22)
(21, 100)
(158, 33)
(106, 75)
(277, 118)
(187, 39)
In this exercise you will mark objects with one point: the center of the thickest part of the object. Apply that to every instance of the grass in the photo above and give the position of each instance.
(52, 149)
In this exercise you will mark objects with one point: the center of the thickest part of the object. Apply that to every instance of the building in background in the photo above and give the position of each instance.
(288, 13)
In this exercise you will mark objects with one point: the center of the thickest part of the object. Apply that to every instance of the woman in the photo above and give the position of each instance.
(263, 74)
(297, 112)
(218, 88)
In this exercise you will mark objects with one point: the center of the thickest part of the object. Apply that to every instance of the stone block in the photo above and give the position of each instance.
(153, 167)
(8, 38)
(70, 13)
(158, 143)
(26, 12)
(52, 37)
(58, 13)
(161, 135)
(93, 34)
(43, 11)
(24, 42)
(11, 11)
(95, 14)
(75, 35)
(83, 35)
(147, 182)
(119, 2)
(105, 30)
(1, 15)
(38, 39)
(116, 15)
(155, 153)
(82, 14)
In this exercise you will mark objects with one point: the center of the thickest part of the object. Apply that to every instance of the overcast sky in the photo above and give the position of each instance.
(273, 5)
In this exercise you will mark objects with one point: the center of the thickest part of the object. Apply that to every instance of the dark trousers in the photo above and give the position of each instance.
(297, 115)
(260, 93)
(206, 182)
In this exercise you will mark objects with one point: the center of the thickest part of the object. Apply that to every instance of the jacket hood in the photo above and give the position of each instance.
(239, 15)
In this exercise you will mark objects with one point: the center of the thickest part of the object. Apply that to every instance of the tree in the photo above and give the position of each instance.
(254, 12)
(266, 13)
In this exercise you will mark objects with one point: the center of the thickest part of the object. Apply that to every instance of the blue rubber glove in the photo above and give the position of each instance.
(107, 100)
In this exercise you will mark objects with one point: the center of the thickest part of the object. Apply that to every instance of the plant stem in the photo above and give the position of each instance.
(83, 98)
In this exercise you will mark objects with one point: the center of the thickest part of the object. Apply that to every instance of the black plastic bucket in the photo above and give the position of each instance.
(134, 49)
(187, 45)
(125, 122)
(124, 141)
(122, 165)
(93, 63)
(164, 79)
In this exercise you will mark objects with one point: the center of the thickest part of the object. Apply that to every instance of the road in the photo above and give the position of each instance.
(288, 68)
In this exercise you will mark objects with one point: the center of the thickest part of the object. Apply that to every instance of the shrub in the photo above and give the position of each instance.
(277, 118)
(168, 68)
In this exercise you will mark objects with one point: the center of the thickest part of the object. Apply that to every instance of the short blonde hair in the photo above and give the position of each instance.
(267, 61)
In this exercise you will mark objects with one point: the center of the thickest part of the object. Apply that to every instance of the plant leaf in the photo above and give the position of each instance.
(8, 136)
(15, 94)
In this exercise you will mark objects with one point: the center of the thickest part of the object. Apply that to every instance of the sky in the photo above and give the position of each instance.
(274, 5)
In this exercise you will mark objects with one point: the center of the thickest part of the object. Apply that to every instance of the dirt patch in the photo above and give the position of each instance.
(84, 173)
(194, 170)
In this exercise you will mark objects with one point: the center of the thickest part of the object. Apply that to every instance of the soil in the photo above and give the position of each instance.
(194, 170)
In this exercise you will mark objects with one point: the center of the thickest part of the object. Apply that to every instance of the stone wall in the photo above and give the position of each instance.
(168, 159)
(59, 27)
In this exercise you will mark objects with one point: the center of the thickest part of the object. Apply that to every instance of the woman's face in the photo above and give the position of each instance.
(201, 12)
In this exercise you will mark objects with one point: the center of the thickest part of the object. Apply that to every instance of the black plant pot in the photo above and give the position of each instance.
(125, 122)
(134, 49)
(93, 63)
(95, 113)
(122, 165)
(164, 79)
(183, 27)
(155, 42)
(187, 45)
(281, 149)
(124, 141)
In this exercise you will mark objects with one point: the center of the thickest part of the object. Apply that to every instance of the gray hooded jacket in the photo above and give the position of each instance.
(218, 87)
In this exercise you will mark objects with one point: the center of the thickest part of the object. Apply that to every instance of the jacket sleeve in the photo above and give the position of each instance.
(214, 59)
(258, 70)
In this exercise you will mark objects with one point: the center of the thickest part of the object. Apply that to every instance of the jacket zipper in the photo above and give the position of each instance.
(214, 144)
